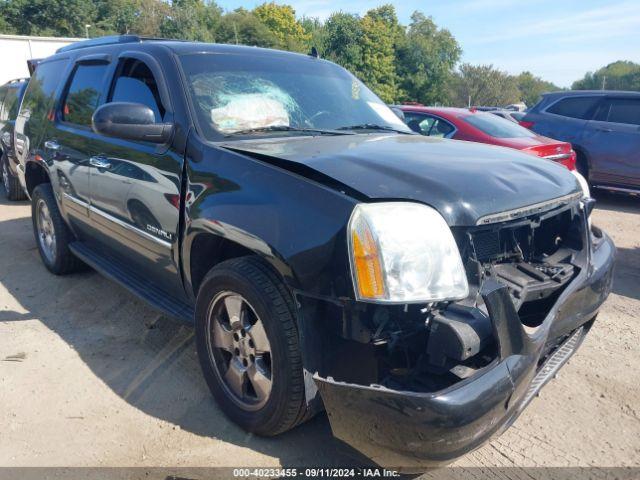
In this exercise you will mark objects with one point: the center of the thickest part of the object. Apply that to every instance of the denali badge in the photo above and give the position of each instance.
(159, 232)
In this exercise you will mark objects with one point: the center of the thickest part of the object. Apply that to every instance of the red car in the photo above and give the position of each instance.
(483, 127)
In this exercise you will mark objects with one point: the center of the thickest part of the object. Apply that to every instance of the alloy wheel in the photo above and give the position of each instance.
(5, 177)
(46, 231)
(239, 350)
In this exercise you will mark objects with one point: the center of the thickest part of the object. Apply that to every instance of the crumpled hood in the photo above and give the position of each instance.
(462, 180)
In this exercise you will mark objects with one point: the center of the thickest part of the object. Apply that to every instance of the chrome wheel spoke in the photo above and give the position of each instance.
(46, 231)
(260, 381)
(259, 337)
(234, 307)
(235, 377)
(222, 338)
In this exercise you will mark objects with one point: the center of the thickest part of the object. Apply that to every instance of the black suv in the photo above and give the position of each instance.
(420, 290)
(10, 97)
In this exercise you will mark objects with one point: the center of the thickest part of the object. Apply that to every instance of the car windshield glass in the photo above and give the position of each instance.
(496, 126)
(264, 94)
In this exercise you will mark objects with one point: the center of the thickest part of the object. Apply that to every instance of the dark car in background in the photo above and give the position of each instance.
(10, 98)
(485, 127)
(604, 129)
(421, 290)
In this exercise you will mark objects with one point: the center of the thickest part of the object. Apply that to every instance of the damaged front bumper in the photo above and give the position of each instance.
(411, 430)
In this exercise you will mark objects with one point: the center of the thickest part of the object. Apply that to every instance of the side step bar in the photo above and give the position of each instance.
(555, 361)
(120, 273)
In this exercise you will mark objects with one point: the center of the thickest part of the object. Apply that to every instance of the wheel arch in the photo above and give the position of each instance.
(203, 250)
(34, 175)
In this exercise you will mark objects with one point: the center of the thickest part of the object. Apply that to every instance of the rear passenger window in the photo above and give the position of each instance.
(83, 94)
(575, 107)
(135, 83)
(620, 110)
(10, 107)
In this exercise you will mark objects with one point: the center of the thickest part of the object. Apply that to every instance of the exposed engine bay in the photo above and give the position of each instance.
(425, 348)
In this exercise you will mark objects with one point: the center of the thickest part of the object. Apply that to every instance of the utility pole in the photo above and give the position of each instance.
(604, 81)
(86, 30)
(235, 32)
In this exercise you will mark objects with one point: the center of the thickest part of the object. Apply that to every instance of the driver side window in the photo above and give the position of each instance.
(135, 83)
(428, 125)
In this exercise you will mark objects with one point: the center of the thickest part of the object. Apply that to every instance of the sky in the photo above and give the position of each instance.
(558, 40)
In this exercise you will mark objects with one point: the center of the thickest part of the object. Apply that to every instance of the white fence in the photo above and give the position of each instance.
(15, 50)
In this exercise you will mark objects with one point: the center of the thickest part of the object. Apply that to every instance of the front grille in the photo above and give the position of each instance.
(486, 244)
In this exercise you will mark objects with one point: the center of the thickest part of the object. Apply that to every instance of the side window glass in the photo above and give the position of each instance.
(84, 94)
(419, 123)
(440, 128)
(575, 107)
(2, 108)
(11, 104)
(37, 104)
(135, 83)
(622, 110)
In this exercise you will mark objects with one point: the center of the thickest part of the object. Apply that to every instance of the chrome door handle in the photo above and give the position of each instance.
(51, 145)
(99, 162)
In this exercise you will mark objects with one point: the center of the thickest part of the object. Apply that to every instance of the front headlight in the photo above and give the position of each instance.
(404, 252)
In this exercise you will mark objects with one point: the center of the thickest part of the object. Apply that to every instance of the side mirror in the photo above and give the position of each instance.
(130, 121)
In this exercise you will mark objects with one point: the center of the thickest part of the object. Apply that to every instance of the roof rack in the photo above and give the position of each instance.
(95, 42)
(113, 40)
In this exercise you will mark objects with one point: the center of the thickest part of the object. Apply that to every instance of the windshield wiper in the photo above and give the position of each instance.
(373, 126)
(286, 128)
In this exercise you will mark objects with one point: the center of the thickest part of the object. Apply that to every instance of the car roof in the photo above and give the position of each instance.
(446, 111)
(179, 47)
(577, 93)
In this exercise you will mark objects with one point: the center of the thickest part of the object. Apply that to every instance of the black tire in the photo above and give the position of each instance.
(12, 186)
(254, 280)
(62, 261)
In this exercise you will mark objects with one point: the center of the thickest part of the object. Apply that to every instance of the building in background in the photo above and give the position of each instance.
(15, 50)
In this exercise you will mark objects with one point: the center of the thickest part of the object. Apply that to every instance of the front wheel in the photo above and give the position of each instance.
(248, 347)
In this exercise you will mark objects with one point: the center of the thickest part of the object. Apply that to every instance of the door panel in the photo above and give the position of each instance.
(65, 145)
(613, 146)
(135, 187)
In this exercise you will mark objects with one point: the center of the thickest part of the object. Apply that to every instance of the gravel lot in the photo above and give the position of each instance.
(91, 376)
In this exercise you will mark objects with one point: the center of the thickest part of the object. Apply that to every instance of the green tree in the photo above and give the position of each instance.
(484, 85)
(343, 41)
(47, 17)
(620, 75)
(191, 20)
(378, 61)
(244, 28)
(314, 27)
(531, 88)
(281, 21)
(425, 60)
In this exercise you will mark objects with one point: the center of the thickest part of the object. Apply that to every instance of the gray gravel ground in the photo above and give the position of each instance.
(91, 376)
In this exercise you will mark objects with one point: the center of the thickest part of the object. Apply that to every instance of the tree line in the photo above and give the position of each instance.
(418, 62)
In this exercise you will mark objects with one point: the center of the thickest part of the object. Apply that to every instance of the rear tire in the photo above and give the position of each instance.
(229, 341)
(12, 186)
(52, 233)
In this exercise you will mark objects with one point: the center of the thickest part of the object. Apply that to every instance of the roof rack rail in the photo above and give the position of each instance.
(95, 42)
